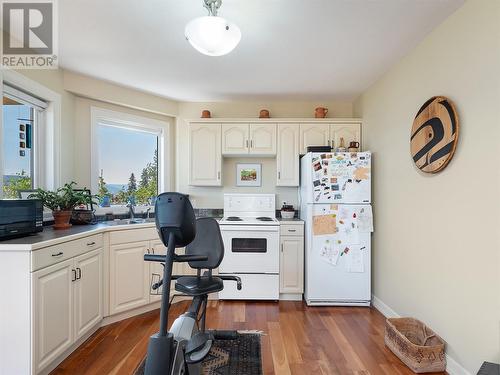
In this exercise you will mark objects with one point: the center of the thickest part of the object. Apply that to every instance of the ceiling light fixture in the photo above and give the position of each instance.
(212, 35)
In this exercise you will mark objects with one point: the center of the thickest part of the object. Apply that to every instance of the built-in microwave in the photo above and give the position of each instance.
(20, 217)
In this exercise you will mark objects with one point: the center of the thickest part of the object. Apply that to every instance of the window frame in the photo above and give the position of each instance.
(47, 133)
(130, 122)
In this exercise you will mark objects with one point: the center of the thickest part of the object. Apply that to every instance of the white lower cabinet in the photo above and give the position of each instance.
(292, 259)
(156, 270)
(52, 312)
(88, 292)
(67, 303)
(129, 276)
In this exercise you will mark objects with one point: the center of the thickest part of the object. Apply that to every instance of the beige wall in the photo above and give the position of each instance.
(53, 79)
(107, 92)
(78, 94)
(212, 197)
(436, 240)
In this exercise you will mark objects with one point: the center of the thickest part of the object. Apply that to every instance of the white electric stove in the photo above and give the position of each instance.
(250, 233)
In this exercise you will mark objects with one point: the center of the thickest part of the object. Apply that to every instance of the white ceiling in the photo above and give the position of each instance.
(290, 49)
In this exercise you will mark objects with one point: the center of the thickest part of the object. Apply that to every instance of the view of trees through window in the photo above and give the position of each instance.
(128, 166)
(17, 151)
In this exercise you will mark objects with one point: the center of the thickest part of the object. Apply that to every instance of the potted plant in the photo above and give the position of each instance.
(62, 202)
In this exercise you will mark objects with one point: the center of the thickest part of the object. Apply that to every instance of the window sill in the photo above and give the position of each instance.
(122, 210)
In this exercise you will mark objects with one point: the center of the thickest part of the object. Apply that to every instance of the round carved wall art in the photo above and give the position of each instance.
(434, 134)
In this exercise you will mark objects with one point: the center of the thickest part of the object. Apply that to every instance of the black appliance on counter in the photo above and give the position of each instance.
(20, 217)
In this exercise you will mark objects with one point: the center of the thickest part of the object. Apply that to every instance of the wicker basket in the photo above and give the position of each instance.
(415, 344)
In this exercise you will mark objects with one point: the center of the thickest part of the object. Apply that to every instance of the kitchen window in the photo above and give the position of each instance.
(21, 141)
(128, 158)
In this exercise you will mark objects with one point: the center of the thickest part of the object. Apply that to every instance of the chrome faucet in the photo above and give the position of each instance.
(147, 212)
(131, 210)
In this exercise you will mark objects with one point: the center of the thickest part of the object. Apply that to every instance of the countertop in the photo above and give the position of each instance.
(51, 237)
(295, 220)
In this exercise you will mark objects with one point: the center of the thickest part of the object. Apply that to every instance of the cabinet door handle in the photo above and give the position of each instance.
(279, 175)
(73, 278)
(292, 230)
(58, 254)
(251, 143)
(79, 276)
(90, 243)
(218, 175)
(281, 247)
(247, 143)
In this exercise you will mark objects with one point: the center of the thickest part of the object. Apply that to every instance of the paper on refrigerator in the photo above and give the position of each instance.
(355, 262)
(348, 233)
(330, 252)
(324, 224)
(365, 219)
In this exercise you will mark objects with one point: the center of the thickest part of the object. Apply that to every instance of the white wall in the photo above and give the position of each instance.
(212, 197)
(436, 240)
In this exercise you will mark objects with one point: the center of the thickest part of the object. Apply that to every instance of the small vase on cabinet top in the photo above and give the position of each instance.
(320, 112)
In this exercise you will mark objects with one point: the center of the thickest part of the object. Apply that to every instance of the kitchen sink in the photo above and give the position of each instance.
(130, 221)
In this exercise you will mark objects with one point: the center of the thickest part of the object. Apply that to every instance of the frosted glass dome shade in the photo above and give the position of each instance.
(212, 36)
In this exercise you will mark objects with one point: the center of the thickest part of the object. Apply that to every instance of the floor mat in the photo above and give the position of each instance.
(230, 357)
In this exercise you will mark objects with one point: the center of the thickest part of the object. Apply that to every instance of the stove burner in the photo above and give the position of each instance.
(234, 218)
(264, 218)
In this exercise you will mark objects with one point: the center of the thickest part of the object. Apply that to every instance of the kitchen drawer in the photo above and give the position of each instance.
(253, 287)
(133, 235)
(292, 229)
(50, 255)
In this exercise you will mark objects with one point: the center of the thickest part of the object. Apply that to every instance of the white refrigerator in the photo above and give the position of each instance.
(335, 203)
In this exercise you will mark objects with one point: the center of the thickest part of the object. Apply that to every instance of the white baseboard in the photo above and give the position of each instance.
(452, 366)
(290, 296)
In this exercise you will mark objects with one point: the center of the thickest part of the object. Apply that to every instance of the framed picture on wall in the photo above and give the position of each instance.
(248, 174)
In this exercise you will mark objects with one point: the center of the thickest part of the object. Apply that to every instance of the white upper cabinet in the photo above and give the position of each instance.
(286, 139)
(263, 139)
(287, 157)
(248, 139)
(313, 135)
(235, 139)
(349, 132)
(205, 156)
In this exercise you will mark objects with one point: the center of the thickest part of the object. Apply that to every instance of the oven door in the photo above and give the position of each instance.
(250, 249)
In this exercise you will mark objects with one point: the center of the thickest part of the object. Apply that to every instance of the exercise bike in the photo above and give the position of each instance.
(182, 349)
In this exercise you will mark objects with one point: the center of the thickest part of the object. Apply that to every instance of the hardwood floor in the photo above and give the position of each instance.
(298, 340)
